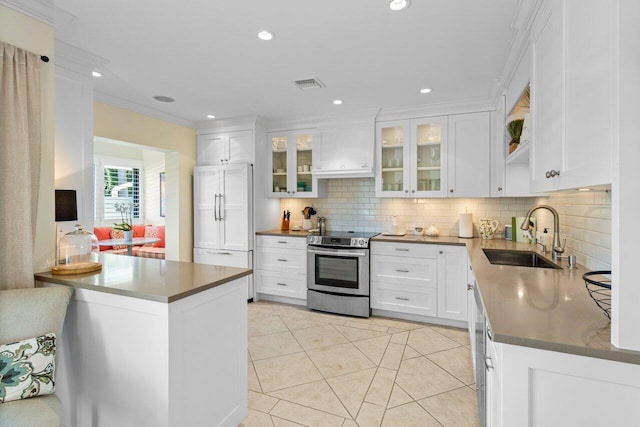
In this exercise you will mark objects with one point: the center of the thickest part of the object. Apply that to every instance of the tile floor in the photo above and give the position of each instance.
(314, 369)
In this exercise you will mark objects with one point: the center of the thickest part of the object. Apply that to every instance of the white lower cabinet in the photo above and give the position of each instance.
(281, 267)
(452, 282)
(283, 284)
(422, 279)
(533, 387)
(404, 284)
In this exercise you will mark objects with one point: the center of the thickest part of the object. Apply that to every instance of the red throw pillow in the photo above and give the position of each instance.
(138, 230)
(151, 231)
(103, 233)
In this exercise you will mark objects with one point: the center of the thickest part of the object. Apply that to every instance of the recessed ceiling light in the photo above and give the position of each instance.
(397, 5)
(210, 116)
(425, 90)
(337, 102)
(266, 35)
(96, 74)
(163, 98)
(584, 189)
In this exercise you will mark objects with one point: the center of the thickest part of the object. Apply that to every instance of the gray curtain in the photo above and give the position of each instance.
(20, 147)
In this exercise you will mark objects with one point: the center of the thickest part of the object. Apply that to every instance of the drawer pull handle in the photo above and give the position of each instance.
(402, 298)
(282, 241)
(281, 284)
(282, 260)
(402, 271)
(218, 253)
(402, 249)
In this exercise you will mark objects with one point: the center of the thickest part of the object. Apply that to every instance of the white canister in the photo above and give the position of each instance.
(306, 224)
(466, 226)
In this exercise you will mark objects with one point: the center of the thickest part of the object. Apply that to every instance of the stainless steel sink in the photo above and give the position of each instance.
(518, 258)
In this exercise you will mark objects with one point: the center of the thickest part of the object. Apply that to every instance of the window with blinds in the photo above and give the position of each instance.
(121, 185)
(117, 181)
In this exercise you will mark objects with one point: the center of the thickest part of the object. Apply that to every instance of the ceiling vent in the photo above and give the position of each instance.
(307, 84)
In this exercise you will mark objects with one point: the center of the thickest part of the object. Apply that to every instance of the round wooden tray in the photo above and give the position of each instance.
(77, 268)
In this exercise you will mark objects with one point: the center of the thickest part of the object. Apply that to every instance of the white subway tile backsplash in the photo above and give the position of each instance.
(585, 217)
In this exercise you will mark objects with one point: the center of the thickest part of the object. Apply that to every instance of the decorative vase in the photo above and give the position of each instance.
(128, 235)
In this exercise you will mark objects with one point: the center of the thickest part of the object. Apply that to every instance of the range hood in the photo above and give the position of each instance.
(347, 148)
(366, 171)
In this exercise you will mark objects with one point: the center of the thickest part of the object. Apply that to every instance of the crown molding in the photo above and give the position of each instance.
(521, 23)
(441, 109)
(228, 124)
(42, 10)
(141, 109)
(75, 59)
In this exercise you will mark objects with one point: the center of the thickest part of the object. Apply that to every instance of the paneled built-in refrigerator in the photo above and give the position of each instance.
(223, 216)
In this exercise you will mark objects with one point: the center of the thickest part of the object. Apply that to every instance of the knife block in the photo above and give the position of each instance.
(284, 225)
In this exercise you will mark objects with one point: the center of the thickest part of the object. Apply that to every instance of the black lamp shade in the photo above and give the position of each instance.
(66, 206)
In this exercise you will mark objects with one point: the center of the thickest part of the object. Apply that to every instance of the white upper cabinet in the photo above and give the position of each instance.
(411, 155)
(571, 94)
(469, 151)
(225, 148)
(292, 155)
(446, 156)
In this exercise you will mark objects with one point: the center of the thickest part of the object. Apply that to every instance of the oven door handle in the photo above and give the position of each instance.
(337, 253)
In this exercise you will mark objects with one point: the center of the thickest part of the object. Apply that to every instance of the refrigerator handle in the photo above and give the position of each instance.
(215, 207)
(220, 207)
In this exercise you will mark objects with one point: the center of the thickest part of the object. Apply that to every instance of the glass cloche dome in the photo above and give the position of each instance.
(78, 247)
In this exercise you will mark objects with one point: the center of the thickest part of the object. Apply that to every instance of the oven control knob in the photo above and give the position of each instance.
(361, 242)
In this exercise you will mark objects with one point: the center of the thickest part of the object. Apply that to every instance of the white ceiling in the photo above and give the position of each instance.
(205, 53)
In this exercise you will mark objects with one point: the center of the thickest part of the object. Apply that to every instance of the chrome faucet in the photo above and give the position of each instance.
(557, 247)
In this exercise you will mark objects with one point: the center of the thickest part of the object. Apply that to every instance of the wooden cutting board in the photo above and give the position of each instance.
(77, 268)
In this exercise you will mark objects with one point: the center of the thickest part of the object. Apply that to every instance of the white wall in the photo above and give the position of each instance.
(153, 165)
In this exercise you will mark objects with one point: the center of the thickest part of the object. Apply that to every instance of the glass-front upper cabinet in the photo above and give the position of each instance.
(428, 155)
(279, 163)
(291, 165)
(393, 152)
(410, 155)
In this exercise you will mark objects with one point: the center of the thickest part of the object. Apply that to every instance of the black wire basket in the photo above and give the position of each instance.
(599, 290)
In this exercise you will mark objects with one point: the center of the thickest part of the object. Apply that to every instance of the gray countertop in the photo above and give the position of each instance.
(536, 307)
(288, 233)
(147, 278)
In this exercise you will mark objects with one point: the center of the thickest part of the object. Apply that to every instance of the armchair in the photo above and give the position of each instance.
(27, 313)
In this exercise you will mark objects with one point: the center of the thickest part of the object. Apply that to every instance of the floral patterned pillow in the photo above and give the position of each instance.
(118, 234)
(27, 368)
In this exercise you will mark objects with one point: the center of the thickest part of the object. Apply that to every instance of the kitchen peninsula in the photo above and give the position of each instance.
(151, 342)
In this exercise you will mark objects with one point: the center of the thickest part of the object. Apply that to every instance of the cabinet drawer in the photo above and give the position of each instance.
(283, 284)
(282, 242)
(390, 298)
(221, 257)
(284, 260)
(403, 270)
(416, 250)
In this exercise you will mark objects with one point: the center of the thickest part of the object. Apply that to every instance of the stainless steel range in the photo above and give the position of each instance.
(338, 273)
